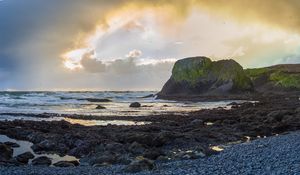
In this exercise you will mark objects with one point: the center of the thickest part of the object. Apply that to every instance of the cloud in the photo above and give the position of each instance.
(92, 65)
(134, 54)
(255, 33)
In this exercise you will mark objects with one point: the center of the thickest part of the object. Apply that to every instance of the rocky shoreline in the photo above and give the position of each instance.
(272, 155)
(167, 138)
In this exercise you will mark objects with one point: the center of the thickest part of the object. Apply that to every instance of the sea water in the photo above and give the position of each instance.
(14, 104)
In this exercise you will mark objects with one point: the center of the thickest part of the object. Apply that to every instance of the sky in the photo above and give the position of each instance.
(133, 44)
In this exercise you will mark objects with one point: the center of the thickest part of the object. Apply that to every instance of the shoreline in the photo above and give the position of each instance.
(168, 137)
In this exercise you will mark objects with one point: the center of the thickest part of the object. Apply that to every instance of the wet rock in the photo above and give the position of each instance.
(190, 155)
(162, 138)
(135, 105)
(115, 147)
(80, 151)
(12, 144)
(105, 157)
(140, 164)
(44, 145)
(25, 157)
(45, 161)
(145, 139)
(278, 115)
(66, 163)
(100, 107)
(153, 154)
(163, 158)
(136, 148)
(6, 152)
(197, 122)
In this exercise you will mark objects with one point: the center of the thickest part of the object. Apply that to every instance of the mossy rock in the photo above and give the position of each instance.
(200, 75)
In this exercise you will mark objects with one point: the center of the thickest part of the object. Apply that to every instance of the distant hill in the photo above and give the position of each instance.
(202, 76)
(276, 79)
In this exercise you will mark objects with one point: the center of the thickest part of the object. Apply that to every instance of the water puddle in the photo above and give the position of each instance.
(104, 122)
(25, 146)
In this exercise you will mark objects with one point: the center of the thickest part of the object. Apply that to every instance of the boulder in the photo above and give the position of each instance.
(201, 76)
(139, 164)
(6, 152)
(136, 148)
(104, 158)
(25, 157)
(100, 107)
(135, 105)
(66, 163)
(43, 161)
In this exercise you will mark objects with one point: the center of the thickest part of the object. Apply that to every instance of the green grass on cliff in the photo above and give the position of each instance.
(191, 71)
(277, 76)
(286, 80)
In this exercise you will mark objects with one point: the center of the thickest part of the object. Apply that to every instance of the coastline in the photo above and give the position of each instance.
(168, 137)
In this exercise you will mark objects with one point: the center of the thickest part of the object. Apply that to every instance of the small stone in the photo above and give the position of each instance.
(25, 157)
(100, 107)
(135, 105)
(66, 163)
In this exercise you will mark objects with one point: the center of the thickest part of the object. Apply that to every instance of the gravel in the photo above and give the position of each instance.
(273, 155)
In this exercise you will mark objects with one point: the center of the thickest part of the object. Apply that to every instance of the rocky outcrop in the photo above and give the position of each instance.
(276, 79)
(201, 76)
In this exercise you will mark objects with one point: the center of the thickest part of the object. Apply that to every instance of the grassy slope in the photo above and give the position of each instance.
(277, 76)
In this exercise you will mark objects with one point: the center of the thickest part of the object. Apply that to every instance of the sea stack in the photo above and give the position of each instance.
(202, 76)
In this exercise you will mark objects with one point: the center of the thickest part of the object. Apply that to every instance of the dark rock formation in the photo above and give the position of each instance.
(6, 152)
(201, 76)
(135, 105)
(100, 107)
(25, 157)
(66, 164)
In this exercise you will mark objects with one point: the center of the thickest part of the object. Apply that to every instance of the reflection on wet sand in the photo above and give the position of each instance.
(103, 122)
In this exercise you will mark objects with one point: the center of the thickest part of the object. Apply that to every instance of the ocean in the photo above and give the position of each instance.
(20, 105)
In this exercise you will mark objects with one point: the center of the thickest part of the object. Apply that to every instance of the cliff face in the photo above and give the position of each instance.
(201, 76)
